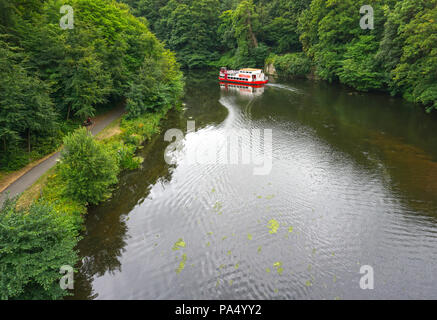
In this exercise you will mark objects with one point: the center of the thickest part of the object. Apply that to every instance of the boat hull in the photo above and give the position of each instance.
(244, 82)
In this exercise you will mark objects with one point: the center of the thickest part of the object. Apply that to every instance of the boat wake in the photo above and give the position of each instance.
(285, 87)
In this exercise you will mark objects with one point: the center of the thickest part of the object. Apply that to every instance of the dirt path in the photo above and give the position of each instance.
(29, 178)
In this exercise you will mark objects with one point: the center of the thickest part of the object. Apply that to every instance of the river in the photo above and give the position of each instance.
(353, 183)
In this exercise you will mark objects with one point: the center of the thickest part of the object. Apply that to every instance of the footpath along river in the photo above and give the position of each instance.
(353, 183)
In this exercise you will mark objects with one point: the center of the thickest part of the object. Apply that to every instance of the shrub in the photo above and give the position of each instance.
(87, 168)
(292, 65)
(34, 244)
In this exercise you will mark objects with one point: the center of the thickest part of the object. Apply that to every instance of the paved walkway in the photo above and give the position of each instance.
(29, 178)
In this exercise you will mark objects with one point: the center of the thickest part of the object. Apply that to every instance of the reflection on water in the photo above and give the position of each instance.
(250, 91)
(353, 183)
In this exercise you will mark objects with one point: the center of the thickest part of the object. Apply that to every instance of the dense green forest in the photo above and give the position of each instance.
(399, 55)
(52, 78)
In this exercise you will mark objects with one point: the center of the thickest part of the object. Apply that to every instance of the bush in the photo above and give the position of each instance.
(34, 244)
(292, 65)
(87, 168)
(358, 68)
(125, 154)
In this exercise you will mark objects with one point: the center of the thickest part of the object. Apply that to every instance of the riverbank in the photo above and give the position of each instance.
(298, 65)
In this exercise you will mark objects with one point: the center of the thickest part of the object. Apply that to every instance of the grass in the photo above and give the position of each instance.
(113, 129)
(33, 193)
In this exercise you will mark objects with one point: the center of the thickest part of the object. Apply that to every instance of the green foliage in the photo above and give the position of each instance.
(87, 168)
(359, 69)
(415, 74)
(202, 32)
(34, 244)
(25, 105)
(158, 85)
(125, 155)
(292, 65)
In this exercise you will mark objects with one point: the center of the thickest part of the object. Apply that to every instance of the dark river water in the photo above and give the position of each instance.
(353, 182)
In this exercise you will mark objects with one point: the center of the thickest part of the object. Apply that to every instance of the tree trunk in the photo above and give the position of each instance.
(28, 141)
(252, 35)
(68, 112)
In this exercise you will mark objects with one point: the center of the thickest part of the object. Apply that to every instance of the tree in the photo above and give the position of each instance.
(25, 104)
(34, 244)
(416, 73)
(87, 168)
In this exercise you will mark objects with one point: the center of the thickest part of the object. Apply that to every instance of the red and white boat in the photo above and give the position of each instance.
(246, 76)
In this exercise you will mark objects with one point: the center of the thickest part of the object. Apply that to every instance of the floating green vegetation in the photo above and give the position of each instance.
(213, 190)
(221, 266)
(209, 233)
(179, 245)
(290, 229)
(208, 244)
(260, 197)
(237, 266)
(217, 283)
(308, 283)
(231, 282)
(259, 249)
(269, 197)
(268, 270)
(276, 290)
(224, 238)
(182, 264)
(218, 206)
(309, 267)
(229, 252)
(249, 236)
(314, 251)
(273, 225)
(279, 268)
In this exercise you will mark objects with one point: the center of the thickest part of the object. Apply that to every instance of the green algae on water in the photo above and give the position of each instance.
(179, 245)
(182, 264)
(218, 206)
(249, 236)
(279, 268)
(273, 225)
